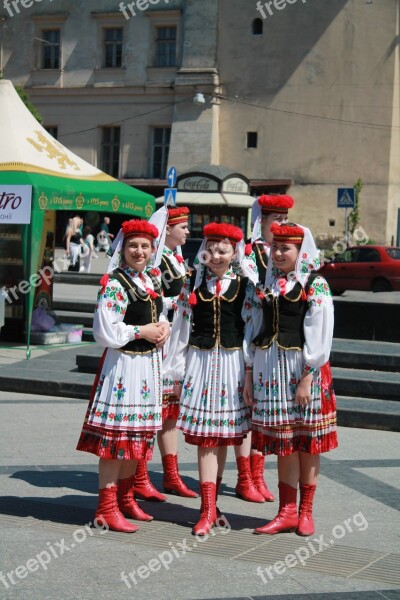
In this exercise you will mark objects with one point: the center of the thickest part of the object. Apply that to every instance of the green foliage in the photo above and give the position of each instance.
(25, 99)
(354, 217)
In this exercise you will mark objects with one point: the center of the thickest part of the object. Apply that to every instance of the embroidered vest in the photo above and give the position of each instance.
(261, 261)
(283, 319)
(218, 320)
(141, 310)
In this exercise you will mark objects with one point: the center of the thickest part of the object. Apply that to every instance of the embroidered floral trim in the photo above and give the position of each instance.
(136, 332)
(308, 369)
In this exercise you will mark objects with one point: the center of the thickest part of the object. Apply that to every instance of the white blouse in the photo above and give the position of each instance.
(109, 330)
(318, 324)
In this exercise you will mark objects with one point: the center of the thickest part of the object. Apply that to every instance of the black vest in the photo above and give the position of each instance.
(141, 310)
(261, 261)
(218, 320)
(283, 319)
(171, 280)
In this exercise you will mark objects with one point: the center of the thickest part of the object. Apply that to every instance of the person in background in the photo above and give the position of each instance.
(104, 237)
(74, 243)
(288, 338)
(87, 250)
(125, 406)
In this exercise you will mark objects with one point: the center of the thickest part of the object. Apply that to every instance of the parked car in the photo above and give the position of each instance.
(375, 268)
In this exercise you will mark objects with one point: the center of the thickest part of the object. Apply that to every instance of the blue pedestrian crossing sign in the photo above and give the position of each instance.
(345, 198)
(170, 197)
(171, 177)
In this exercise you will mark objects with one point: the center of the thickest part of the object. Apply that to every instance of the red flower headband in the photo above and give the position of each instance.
(178, 215)
(221, 231)
(275, 203)
(139, 228)
(287, 232)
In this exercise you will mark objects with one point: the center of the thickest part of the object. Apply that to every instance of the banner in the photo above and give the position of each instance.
(15, 204)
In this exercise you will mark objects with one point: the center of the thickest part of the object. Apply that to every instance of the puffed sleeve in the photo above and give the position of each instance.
(174, 362)
(108, 327)
(318, 325)
(252, 315)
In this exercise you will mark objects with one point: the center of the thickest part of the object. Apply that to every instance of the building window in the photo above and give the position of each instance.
(113, 47)
(257, 27)
(166, 47)
(252, 139)
(110, 150)
(161, 140)
(52, 130)
(51, 48)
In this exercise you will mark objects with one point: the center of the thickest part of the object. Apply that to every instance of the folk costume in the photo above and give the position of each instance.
(263, 206)
(288, 332)
(124, 411)
(205, 355)
(173, 272)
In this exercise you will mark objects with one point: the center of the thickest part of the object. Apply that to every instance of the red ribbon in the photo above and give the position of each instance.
(103, 282)
(179, 258)
(218, 287)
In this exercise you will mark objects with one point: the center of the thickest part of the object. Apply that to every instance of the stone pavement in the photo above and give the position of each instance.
(49, 496)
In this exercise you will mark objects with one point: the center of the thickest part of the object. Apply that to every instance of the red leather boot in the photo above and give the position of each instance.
(142, 485)
(109, 514)
(306, 522)
(208, 512)
(257, 472)
(219, 479)
(287, 518)
(127, 503)
(172, 481)
(245, 487)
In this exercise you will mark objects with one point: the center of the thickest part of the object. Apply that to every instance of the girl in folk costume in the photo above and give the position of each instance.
(294, 411)
(173, 274)
(266, 210)
(205, 354)
(124, 411)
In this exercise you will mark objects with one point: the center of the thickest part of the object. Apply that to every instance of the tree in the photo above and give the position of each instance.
(25, 99)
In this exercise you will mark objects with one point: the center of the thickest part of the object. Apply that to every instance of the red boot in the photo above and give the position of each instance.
(245, 487)
(287, 519)
(127, 503)
(143, 486)
(257, 472)
(208, 512)
(172, 481)
(109, 514)
(306, 523)
(219, 479)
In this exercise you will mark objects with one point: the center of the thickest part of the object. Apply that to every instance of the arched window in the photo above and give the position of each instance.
(257, 27)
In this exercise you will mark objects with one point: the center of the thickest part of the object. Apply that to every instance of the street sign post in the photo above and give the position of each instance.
(346, 199)
(170, 196)
(171, 177)
(170, 191)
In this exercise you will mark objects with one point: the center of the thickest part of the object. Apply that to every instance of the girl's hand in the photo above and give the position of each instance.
(303, 391)
(248, 390)
(150, 332)
(164, 331)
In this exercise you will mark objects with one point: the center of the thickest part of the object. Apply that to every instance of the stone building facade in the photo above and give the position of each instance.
(300, 95)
